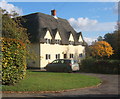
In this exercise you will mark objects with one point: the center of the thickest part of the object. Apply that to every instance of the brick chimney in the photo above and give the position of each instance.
(53, 12)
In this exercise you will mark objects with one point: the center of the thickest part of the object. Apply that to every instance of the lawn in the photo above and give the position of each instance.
(49, 81)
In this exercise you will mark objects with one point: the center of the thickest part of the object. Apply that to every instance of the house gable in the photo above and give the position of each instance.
(57, 36)
(80, 39)
(71, 38)
(48, 35)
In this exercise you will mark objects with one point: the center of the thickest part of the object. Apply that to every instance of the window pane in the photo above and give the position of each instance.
(56, 61)
(72, 55)
(80, 55)
(65, 55)
(49, 56)
(46, 56)
(58, 56)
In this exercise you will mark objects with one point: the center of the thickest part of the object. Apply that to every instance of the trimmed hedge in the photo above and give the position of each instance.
(13, 61)
(100, 66)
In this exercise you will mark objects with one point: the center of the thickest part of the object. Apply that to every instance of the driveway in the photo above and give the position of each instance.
(109, 87)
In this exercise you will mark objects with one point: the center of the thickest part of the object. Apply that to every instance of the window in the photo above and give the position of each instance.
(48, 41)
(57, 56)
(57, 41)
(71, 42)
(65, 61)
(65, 55)
(56, 61)
(48, 56)
(80, 55)
(71, 55)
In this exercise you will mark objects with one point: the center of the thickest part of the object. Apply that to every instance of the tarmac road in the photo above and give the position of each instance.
(109, 88)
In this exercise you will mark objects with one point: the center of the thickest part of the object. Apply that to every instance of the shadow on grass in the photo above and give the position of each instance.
(49, 72)
(39, 70)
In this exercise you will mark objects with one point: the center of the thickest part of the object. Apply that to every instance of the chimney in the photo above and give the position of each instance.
(53, 12)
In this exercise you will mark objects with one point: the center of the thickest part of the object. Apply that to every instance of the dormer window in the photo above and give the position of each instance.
(80, 39)
(57, 41)
(71, 39)
(48, 37)
(48, 41)
(71, 42)
(57, 38)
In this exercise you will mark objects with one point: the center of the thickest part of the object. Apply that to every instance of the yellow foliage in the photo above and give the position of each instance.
(101, 49)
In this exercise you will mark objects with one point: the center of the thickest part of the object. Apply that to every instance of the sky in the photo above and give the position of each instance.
(93, 19)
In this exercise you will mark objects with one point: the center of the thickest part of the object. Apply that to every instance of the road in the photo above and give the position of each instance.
(109, 87)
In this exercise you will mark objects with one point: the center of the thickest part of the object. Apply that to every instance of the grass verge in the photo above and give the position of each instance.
(49, 81)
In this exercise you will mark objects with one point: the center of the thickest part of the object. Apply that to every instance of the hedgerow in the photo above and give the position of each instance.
(13, 60)
(100, 66)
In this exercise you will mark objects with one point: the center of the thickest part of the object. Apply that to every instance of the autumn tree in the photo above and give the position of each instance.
(101, 49)
(14, 50)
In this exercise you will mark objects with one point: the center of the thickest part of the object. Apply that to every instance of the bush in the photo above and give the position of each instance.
(13, 61)
(101, 49)
(100, 66)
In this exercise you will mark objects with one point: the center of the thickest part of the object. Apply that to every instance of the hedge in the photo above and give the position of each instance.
(13, 61)
(100, 66)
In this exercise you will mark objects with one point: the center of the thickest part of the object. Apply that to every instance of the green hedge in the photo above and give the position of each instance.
(100, 66)
(13, 61)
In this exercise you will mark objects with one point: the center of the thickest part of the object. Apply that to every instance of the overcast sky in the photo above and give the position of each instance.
(93, 19)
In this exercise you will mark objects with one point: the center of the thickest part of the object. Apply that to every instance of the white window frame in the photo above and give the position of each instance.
(47, 56)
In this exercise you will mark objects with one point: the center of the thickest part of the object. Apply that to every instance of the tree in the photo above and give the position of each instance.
(101, 49)
(14, 49)
(114, 40)
(12, 28)
(100, 38)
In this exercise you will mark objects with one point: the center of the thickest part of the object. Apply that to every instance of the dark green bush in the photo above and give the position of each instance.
(13, 61)
(100, 66)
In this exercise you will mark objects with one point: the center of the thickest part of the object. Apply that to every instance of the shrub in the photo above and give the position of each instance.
(100, 66)
(101, 49)
(87, 64)
(13, 61)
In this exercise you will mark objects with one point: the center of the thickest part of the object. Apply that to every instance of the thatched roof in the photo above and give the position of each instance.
(38, 23)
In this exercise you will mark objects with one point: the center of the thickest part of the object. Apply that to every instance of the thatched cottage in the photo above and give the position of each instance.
(52, 38)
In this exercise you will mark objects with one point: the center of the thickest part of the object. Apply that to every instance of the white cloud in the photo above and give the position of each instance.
(116, 8)
(86, 24)
(10, 7)
(89, 40)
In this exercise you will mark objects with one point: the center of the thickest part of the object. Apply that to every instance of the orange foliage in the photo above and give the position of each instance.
(101, 49)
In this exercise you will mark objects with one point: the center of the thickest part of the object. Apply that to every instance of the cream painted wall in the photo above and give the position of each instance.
(71, 38)
(57, 36)
(80, 39)
(58, 49)
(48, 35)
(40, 51)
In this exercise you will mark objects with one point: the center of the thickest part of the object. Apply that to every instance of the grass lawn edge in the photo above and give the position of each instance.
(20, 92)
